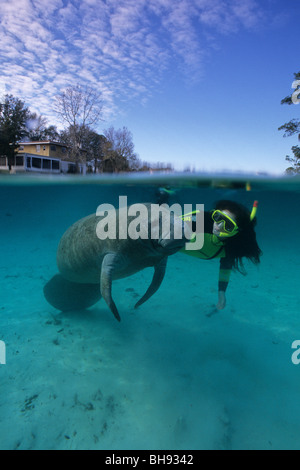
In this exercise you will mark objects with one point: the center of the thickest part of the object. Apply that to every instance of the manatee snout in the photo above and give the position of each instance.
(174, 240)
(172, 246)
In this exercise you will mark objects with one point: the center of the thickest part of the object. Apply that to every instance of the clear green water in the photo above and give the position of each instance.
(169, 376)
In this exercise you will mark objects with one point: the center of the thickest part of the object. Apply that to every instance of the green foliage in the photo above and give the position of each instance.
(37, 129)
(291, 128)
(295, 160)
(119, 154)
(13, 117)
(90, 149)
(111, 152)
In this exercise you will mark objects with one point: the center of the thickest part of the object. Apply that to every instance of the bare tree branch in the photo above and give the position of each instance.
(79, 106)
(120, 148)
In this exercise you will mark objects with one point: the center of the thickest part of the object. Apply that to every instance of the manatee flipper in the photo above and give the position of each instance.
(66, 295)
(157, 279)
(109, 264)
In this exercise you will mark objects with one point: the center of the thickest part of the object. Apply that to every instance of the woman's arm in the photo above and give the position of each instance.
(224, 276)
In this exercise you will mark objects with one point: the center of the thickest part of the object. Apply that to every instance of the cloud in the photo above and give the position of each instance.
(121, 47)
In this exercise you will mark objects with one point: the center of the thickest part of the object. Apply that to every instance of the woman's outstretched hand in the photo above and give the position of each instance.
(222, 301)
(220, 305)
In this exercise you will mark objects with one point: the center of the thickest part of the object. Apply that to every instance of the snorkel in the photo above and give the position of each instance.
(254, 210)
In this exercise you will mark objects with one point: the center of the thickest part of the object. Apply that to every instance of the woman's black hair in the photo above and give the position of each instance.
(244, 244)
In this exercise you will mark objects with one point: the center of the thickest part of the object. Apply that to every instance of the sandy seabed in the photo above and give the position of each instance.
(170, 375)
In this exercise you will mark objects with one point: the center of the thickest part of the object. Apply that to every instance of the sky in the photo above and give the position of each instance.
(197, 82)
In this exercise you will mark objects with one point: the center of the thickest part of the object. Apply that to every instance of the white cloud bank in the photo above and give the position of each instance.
(120, 47)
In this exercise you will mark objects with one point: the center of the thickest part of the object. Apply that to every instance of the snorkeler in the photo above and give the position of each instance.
(163, 194)
(229, 235)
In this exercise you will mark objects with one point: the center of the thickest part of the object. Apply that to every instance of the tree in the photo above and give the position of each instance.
(37, 129)
(79, 108)
(119, 153)
(13, 118)
(92, 144)
(293, 127)
(95, 144)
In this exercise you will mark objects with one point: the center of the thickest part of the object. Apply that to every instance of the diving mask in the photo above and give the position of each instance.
(229, 228)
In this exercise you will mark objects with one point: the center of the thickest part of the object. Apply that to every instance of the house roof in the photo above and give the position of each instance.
(49, 142)
(39, 142)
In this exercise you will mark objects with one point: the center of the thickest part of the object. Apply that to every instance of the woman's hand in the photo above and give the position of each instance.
(222, 300)
(220, 305)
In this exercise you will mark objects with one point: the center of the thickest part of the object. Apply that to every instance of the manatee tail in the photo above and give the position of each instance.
(65, 295)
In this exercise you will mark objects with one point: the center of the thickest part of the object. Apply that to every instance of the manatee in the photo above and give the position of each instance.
(88, 265)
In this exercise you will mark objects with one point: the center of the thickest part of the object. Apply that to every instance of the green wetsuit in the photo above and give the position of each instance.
(212, 248)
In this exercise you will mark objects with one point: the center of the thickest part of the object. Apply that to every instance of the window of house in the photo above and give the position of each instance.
(21, 147)
(46, 164)
(38, 148)
(19, 160)
(3, 161)
(36, 162)
(63, 150)
(53, 148)
(71, 168)
(55, 165)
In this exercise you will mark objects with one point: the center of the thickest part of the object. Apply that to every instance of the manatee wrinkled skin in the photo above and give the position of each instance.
(82, 258)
